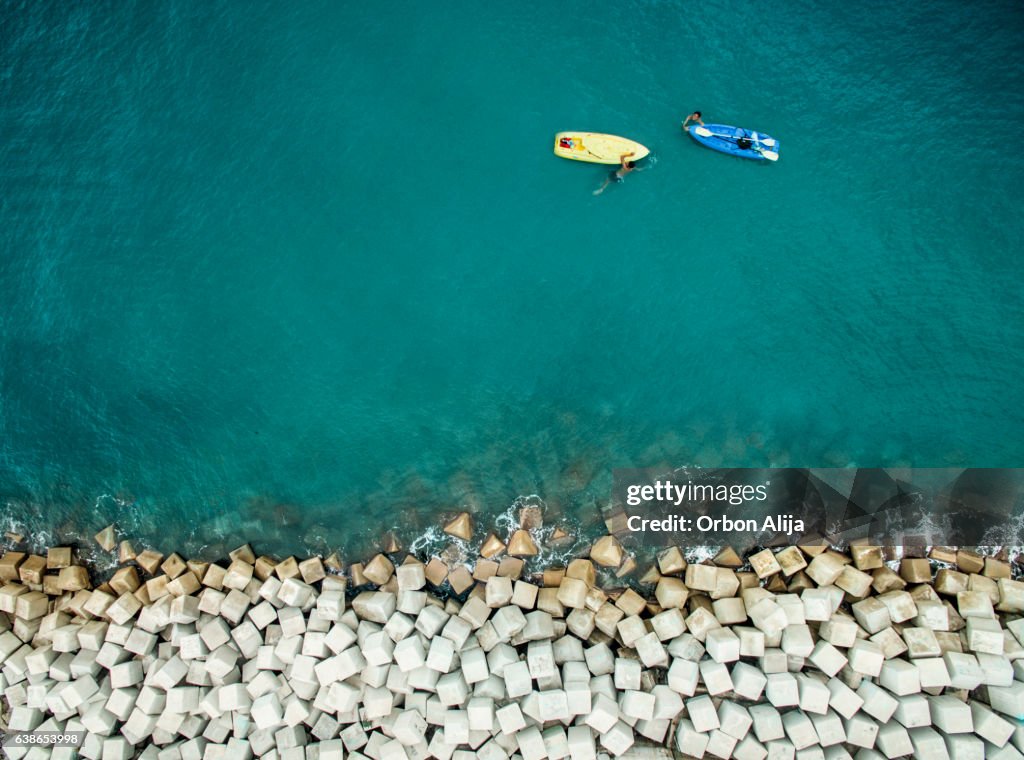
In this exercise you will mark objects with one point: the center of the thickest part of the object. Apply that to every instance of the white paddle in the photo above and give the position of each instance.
(704, 132)
(771, 155)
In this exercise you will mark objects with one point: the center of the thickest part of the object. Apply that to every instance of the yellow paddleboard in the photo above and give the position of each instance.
(597, 148)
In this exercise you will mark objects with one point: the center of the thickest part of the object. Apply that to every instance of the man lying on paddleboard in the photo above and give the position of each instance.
(618, 174)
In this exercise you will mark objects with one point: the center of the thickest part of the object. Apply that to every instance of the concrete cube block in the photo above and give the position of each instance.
(510, 718)
(378, 702)
(871, 614)
(729, 611)
(793, 606)
(750, 749)
(540, 659)
(539, 625)
(840, 631)
(797, 641)
(878, 703)
(716, 677)
(474, 666)
(581, 743)
(604, 713)
(378, 648)
(1008, 700)
(296, 593)
(232, 607)
(508, 621)
(266, 712)
(374, 606)
(984, 635)
(618, 739)
(700, 621)
(748, 681)
(654, 655)
(927, 742)
(950, 715)
(689, 741)
(921, 642)
(668, 624)
(866, 658)
(751, 641)
(126, 674)
(683, 676)
(572, 593)
(829, 728)
(844, 700)
(782, 690)
(990, 726)
(893, 740)
(932, 614)
(773, 661)
(768, 617)
(912, 711)
(964, 747)
(813, 694)
(825, 568)
(399, 627)
(627, 673)
(553, 705)
(498, 591)
(524, 595)
(734, 719)
(637, 704)
(723, 645)
(854, 582)
(933, 673)
(766, 722)
(861, 731)
(452, 689)
(900, 604)
(781, 749)
(531, 744)
(827, 658)
(702, 714)
(721, 745)
(964, 670)
(1007, 752)
(518, 682)
(234, 697)
(799, 729)
(892, 643)
(900, 677)
(441, 655)
(411, 577)
(686, 647)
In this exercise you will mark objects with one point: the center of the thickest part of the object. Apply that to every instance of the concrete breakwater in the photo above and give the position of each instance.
(803, 652)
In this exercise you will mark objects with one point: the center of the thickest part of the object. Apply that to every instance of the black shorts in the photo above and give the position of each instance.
(615, 176)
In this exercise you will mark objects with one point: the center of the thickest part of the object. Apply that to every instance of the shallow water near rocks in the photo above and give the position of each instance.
(302, 275)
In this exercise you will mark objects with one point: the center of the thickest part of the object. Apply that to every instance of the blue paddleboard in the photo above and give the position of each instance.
(731, 140)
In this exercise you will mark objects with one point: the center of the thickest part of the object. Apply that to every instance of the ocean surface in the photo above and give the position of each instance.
(303, 273)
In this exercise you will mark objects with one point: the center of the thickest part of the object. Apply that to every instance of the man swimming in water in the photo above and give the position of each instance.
(617, 175)
(695, 116)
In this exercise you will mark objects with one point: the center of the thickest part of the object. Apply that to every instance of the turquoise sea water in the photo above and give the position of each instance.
(305, 272)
